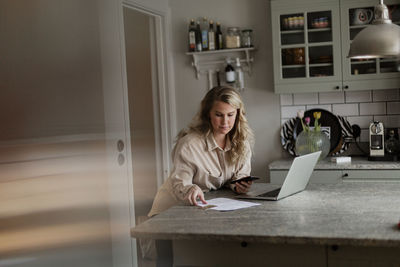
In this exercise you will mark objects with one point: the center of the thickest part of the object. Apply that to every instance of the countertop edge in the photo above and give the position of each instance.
(298, 240)
(325, 164)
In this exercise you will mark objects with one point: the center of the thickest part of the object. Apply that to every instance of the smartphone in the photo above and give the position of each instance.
(247, 178)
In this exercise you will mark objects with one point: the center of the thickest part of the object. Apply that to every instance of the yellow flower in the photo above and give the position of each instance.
(317, 115)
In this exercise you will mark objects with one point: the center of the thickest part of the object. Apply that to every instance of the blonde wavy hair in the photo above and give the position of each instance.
(241, 135)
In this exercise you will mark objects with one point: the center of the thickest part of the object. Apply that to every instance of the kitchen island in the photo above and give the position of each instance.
(359, 169)
(328, 224)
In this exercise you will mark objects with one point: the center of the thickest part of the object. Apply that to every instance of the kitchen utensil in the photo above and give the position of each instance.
(362, 16)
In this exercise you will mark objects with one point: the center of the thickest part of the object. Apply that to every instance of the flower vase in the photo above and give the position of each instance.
(311, 141)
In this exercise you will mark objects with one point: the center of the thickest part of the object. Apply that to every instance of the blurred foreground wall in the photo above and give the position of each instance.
(53, 186)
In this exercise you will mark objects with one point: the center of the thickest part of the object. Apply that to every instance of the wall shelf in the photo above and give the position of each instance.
(209, 61)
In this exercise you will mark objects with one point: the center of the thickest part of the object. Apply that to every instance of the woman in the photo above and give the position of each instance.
(213, 151)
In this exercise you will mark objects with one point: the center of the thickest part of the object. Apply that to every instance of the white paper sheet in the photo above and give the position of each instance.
(226, 204)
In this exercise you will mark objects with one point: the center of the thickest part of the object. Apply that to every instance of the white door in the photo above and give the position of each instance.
(122, 215)
(117, 123)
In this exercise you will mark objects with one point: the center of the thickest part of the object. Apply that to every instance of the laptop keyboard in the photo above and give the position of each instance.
(272, 193)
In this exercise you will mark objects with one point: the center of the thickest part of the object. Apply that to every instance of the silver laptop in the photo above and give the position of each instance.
(296, 179)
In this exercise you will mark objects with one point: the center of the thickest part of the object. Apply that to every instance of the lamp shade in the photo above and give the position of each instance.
(381, 39)
(376, 41)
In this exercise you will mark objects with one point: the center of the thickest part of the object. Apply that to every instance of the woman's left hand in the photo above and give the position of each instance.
(243, 187)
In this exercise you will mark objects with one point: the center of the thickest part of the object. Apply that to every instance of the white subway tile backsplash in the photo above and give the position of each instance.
(326, 107)
(392, 121)
(345, 109)
(302, 99)
(331, 97)
(364, 136)
(393, 107)
(286, 99)
(358, 96)
(382, 118)
(385, 95)
(288, 112)
(359, 107)
(377, 108)
(362, 121)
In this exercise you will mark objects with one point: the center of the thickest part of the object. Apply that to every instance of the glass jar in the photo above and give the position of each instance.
(247, 38)
(298, 56)
(311, 141)
(232, 39)
(392, 145)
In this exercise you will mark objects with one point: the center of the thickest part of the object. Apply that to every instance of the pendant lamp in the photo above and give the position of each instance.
(381, 39)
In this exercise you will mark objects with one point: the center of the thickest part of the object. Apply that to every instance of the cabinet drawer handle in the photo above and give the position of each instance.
(346, 87)
(345, 175)
(337, 87)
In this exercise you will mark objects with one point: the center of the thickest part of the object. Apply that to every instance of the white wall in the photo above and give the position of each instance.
(263, 109)
(54, 190)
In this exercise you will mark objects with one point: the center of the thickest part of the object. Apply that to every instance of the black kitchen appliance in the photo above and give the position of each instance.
(383, 143)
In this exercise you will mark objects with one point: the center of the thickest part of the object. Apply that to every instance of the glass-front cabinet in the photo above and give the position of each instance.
(311, 40)
(361, 74)
(306, 46)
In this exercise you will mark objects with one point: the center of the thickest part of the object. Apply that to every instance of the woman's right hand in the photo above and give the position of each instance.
(193, 194)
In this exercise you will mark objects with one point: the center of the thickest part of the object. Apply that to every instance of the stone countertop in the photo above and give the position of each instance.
(357, 163)
(348, 213)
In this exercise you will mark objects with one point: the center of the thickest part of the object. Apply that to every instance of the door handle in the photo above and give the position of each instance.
(121, 159)
(120, 145)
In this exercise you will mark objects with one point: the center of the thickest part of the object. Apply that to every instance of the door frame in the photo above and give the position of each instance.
(163, 95)
(116, 115)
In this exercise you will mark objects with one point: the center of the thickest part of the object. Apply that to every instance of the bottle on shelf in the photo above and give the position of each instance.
(199, 45)
(239, 75)
(229, 72)
(192, 36)
(204, 34)
(218, 37)
(211, 36)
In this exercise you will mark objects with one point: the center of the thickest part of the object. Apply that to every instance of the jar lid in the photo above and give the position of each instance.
(234, 29)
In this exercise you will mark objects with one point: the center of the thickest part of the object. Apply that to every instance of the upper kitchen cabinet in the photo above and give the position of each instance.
(359, 74)
(311, 40)
(306, 46)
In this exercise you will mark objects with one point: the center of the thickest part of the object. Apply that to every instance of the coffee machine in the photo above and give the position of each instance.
(376, 139)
